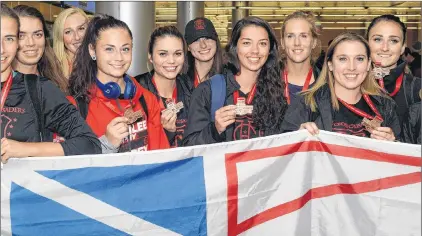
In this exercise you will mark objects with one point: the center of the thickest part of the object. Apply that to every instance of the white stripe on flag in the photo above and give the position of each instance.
(87, 205)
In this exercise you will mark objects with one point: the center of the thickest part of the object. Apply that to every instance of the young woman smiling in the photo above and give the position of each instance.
(166, 52)
(299, 40)
(344, 94)
(387, 39)
(35, 55)
(205, 57)
(253, 78)
(21, 134)
(124, 115)
(68, 31)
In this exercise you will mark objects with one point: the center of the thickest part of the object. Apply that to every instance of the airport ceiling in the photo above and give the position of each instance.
(332, 15)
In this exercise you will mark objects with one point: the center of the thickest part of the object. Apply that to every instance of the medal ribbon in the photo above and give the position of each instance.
(248, 99)
(5, 91)
(174, 96)
(361, 113)
(397, 87)
(286, 82)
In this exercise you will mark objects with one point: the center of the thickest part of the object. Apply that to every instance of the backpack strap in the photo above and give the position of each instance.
(82, 106)
(218, 93)
(144, 104)
(33, 89)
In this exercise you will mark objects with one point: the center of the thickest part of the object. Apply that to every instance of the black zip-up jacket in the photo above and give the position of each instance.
(299, 113)
(184, 91)
(412, 124)
(200, 129)
(409, 90)
(19, 119)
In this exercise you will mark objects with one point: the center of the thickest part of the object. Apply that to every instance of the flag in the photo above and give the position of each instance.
(288, 184)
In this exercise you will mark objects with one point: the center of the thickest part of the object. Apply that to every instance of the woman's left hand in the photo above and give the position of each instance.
(382, 133)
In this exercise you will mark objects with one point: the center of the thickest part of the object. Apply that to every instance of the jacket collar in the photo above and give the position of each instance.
(232, 84)
(395, 72)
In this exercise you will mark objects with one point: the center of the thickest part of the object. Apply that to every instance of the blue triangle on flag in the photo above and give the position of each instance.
(32, 214)
(171, 195)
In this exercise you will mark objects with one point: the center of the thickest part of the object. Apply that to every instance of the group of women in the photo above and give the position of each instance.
(77, 98)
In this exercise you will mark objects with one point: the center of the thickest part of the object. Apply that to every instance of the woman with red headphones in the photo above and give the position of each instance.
(125, 116)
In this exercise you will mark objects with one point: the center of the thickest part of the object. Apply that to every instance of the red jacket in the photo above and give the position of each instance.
(100, 114)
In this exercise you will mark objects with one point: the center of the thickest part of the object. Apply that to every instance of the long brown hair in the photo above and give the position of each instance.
(369, 85)
(48, 66)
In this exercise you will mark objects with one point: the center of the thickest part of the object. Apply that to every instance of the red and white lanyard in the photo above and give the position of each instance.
(5, 90)
(361, 113)
(250, 97)
(397, 87)
(286, 82)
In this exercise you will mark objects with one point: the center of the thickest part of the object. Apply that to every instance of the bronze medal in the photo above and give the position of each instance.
(132, 116)
(175, 108)
(242, 108)
(371, 124)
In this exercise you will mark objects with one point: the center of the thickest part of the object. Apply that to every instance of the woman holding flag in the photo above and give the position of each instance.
(21, 133)
(345, 99)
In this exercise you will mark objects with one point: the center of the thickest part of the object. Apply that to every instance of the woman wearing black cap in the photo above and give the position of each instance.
(204, 51)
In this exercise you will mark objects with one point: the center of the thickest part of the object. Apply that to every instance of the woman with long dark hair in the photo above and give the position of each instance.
(345, 99)
(35, 55)
(386, 36)
(122, 113)
(22, 130)
(299, 42)
(166, 52)
(205, 56)
(253, 104)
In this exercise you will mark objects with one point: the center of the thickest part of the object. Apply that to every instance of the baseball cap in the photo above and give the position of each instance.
(198, 28)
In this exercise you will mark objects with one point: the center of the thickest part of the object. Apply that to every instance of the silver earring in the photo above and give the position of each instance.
(94, 58)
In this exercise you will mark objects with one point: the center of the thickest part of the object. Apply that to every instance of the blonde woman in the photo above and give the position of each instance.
(345, 98)
(68, 31)
(299, 40)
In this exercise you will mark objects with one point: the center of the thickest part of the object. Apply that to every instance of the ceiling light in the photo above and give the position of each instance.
(343, 8)
(269, 15)
(300, 8)
(408, 15)
(259, 8)
(351, 22)
(388, 8)
(219, 8)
